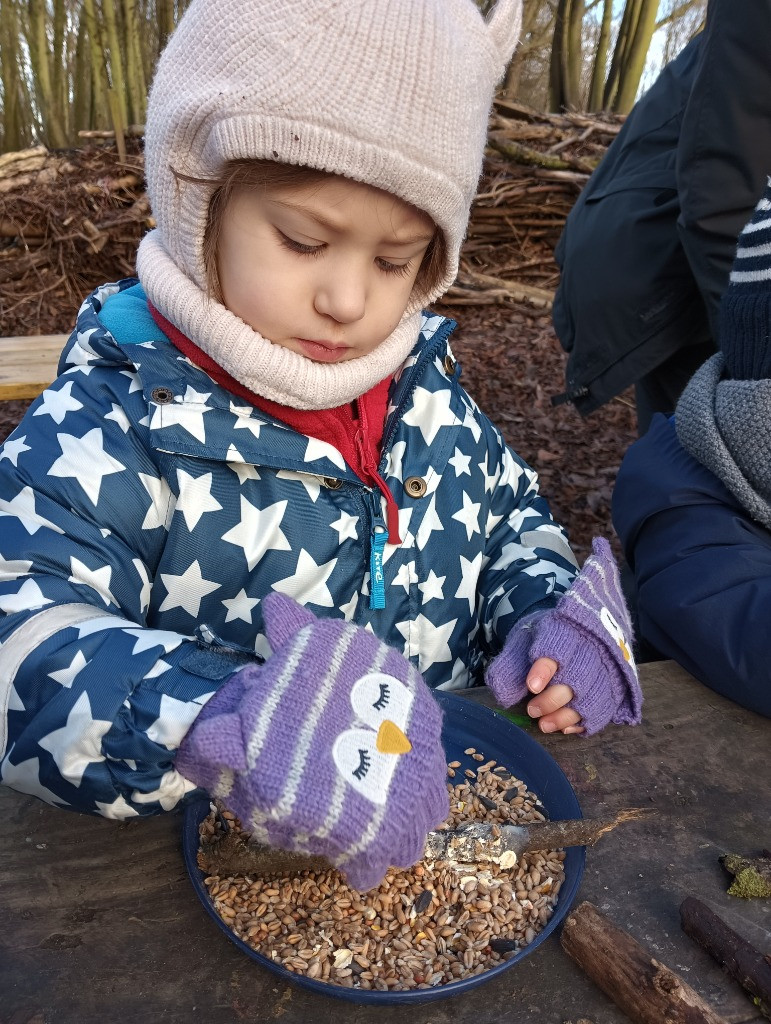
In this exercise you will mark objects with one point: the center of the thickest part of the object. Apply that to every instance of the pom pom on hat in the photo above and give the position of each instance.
(745, 311)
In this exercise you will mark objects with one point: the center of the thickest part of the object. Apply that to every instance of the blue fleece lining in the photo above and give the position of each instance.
(127, 317)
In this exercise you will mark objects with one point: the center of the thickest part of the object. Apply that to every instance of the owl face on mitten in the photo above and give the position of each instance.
(335, 748)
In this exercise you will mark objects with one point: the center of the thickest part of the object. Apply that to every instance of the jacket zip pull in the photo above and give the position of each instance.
(376, 576)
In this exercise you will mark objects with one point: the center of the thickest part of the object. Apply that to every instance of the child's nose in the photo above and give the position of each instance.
(342, 296)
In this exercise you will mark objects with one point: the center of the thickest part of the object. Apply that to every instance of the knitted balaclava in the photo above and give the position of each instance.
(724, 415)
(393, 93)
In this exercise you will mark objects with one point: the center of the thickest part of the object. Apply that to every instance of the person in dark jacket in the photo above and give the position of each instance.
(646, 250)
(692, 502)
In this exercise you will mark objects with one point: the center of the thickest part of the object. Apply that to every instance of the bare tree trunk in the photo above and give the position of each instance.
(565, 67)
(83, 114)
(12, 137)
(37, 40)
(100, 85)
(636, 55)
(531, 12)
(557, 63)
(117, 79)
(575, 54)
(601, 58)
(135, 73)
(619, 53)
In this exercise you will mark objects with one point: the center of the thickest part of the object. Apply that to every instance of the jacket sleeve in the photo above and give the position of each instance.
(527, 561)
(724, 153)
(701, 565)
(93, 703)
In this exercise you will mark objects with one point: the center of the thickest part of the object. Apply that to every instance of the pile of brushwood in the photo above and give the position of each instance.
(71, 220)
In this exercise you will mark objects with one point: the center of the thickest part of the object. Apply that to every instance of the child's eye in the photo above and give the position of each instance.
(384, 698)
(299, 247)
(364, 763)
(401, 269)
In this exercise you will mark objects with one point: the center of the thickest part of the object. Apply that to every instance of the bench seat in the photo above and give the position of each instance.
(28, 365)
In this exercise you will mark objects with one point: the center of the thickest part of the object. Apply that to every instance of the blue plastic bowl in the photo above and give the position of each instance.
(466, 724)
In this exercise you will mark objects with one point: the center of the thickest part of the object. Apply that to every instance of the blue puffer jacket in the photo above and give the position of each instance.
(146, 511)
(701, 564)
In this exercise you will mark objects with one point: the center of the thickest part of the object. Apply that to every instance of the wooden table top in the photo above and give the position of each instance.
(100, 924)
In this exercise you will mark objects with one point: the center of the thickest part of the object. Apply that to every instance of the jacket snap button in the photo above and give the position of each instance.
(449, 366)
(332, 483)
(415, 486)
(162, 395)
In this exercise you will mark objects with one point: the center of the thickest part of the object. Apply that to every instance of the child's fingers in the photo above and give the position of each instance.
(565, 720)
(552, 699)
(541, 674)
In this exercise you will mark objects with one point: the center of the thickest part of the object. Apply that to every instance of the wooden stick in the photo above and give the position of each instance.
(647, 991)
(235, 855)
(735, 955)
(232, 855)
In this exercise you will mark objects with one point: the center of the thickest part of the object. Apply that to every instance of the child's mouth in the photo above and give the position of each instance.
(322, 351)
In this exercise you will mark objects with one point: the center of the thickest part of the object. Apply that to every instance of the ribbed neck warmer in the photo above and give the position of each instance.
(269, 370)
(723, 417)
(726, 425)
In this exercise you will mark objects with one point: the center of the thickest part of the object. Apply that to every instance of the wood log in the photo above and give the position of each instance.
(135, 130)
(515, 290)
(23, 160)
(736, 955)
(535, 158)
(646, 990)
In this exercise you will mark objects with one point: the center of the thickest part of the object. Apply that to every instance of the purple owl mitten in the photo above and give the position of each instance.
(589, 634)
(331, 747)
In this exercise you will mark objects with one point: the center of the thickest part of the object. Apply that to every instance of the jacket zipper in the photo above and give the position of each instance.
(380, 533)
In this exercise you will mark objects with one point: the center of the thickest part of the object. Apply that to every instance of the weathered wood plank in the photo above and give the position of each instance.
(28, 365)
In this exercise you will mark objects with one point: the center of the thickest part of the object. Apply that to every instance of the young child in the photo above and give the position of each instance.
(692, 503)
(256, 519)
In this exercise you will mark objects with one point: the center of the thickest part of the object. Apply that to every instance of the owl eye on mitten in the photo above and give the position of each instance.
(331, 747)
(589, 634)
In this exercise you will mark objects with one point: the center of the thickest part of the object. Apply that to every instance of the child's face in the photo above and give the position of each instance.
(324, 270)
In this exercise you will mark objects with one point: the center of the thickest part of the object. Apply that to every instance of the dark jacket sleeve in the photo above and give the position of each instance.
(701, 565)
(724, 153)
(626, 299)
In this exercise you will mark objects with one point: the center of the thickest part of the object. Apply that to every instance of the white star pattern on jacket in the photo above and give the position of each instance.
(195, 497)
(146, 532)
(77, 744)
(13, 448)
(186, 590)
(57, 404)
(188, 413)
(258, 531)
(22, 507)
(85, 459)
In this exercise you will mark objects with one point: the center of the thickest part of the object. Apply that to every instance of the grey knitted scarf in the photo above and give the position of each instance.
(726, 425)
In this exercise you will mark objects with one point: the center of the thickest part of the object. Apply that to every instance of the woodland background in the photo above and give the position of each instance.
(74, 77)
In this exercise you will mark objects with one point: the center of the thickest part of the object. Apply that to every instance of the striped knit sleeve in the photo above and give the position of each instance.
(745, 314)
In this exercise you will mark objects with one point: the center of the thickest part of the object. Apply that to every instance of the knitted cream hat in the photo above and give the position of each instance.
(392, 93)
